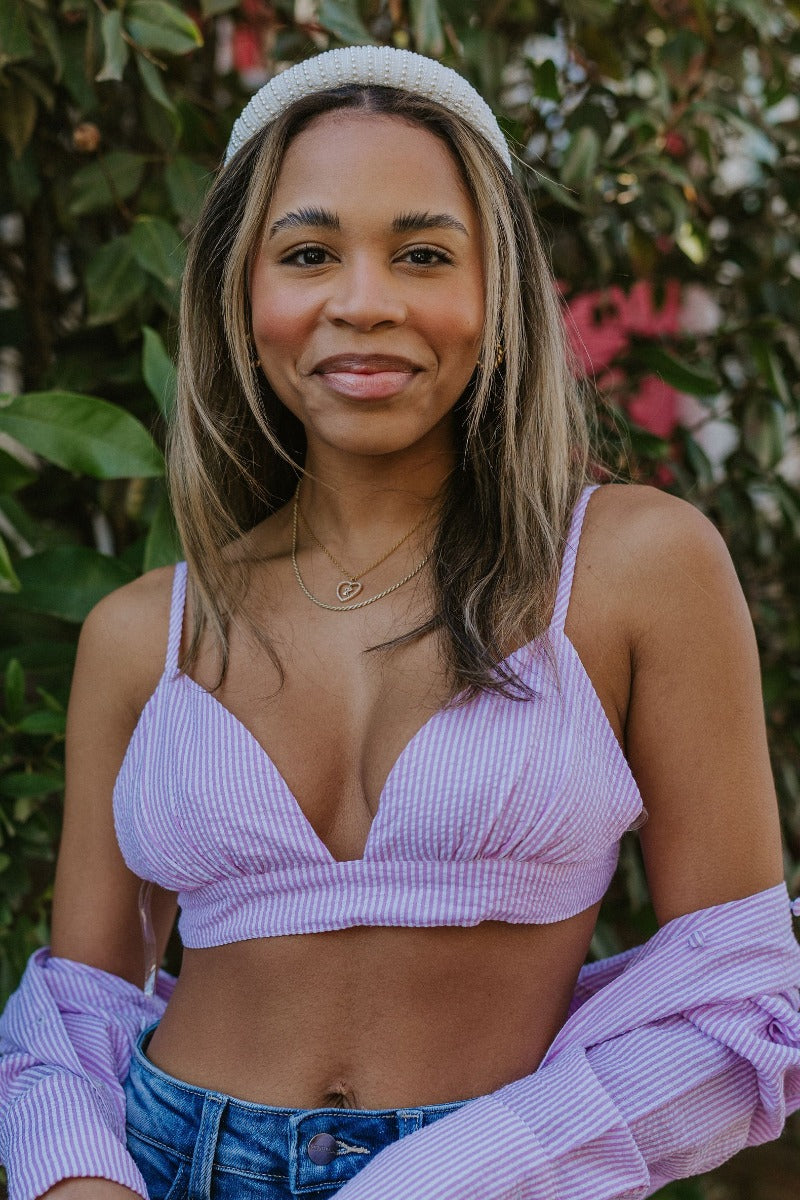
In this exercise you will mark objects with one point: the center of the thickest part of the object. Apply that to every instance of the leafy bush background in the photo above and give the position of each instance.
(113, 117)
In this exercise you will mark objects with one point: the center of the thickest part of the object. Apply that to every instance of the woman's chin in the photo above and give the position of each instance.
(380, 437)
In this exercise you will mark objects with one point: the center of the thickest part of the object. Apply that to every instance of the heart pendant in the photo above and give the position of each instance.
(347, 589)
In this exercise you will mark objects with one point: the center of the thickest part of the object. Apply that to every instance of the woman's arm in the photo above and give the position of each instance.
(67, 1032)
(691, 1049)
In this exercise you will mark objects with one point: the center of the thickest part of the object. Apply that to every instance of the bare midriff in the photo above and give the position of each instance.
(372, 1017)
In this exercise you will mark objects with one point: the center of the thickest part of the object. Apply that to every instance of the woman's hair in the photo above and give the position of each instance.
(235, 452)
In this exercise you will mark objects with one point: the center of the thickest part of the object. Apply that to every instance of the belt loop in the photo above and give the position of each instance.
(205, 1147)
(409, 1120)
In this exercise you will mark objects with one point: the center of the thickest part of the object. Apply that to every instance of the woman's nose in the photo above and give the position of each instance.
(364, 295)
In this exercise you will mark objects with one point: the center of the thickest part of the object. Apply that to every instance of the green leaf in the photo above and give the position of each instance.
(698, 460)
(43, 723)
(47, 31)
(114, 281)
(151, 78)
(187, 183)
(579, 166)
(67, 581)
(343, 20)
(426, 23)
(19, 784)
(14, 690)
(13, 474)
(115, 46)
(213, 8)
(76, 78)
(18, 111)
(157, 25)
(53, 658)
(40, 87)
(82, 434)
(162, 547)
(764, 432)
(158, 248)
(49, 702)
(23, 528)
(691, 241)
(24, 808)
(545, 80)
(158, 371)
(15, 38)
(677, 373)
(9, 581)
(770, 367)
(105, 182)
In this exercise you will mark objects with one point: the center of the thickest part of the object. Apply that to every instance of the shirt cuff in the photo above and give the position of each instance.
(591, 1151)
(480, 1152)
(56, 1131)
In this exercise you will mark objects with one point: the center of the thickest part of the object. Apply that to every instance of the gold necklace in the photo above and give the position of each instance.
(350, 586)
(361, 603)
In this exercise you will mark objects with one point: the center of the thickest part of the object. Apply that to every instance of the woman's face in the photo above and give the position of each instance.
(367, 289)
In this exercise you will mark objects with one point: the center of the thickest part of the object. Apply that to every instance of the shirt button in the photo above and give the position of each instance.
(322, 1149)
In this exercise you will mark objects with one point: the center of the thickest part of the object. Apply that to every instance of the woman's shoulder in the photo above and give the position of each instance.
(638, 510)
(644, 533)
(660, 554)
(129, 628)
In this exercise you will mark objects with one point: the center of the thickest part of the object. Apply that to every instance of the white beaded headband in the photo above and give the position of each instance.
(368, 65)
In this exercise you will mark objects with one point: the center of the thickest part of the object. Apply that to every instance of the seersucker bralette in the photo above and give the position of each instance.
(498, 810)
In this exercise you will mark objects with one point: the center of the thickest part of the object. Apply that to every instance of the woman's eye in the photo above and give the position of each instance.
(425, 256)
(308, 256)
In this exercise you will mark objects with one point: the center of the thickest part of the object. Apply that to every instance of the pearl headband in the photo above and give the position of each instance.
(376, 65)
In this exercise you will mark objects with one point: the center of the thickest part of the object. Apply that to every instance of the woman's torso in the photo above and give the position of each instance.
(377, 1016)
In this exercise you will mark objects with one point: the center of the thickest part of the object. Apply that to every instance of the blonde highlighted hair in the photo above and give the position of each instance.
(235, 452)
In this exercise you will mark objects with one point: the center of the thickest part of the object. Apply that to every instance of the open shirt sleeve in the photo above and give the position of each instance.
(66, 1038)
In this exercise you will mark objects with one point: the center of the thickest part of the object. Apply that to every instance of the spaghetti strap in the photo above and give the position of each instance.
(570, 555)
(176, 617)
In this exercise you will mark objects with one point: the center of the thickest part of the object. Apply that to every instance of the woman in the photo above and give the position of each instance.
(424, 676)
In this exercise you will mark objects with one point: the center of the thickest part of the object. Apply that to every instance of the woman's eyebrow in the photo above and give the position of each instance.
(414, 222)
(318, 218)
(321, 218)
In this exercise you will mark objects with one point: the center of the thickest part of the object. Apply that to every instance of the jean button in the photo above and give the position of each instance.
(322, 1149)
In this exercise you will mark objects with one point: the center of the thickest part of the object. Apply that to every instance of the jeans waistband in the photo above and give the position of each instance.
(310, 1149)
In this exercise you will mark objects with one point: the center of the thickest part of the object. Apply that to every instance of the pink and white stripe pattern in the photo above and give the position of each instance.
(496, 810)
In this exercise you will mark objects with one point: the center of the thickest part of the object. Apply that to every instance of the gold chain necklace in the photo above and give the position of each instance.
(350, 586)
(361, 603)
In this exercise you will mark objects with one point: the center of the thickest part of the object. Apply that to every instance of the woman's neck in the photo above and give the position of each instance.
(363, 503)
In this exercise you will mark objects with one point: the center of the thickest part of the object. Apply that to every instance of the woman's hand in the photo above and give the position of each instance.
(89, 1189)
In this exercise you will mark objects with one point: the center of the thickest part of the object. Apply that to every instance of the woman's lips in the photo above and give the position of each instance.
(367, 385)
(372, 377)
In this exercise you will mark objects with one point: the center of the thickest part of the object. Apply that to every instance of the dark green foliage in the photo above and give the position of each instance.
(629, 114)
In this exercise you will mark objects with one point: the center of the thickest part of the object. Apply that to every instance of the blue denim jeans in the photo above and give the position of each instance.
(194, 1144)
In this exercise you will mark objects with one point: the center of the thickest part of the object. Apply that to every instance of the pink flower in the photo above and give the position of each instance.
(599, 327)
